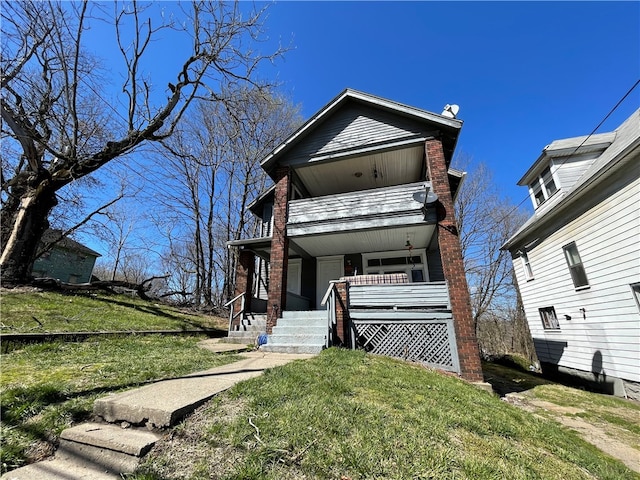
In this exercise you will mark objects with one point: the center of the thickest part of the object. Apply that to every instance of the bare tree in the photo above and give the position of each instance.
(212, 174)
(56, 128)
(485, 221)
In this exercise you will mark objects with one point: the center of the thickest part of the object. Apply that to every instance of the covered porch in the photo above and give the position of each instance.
(378, 231)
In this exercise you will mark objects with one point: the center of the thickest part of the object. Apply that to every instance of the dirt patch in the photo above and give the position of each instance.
(193, 444)
(608, 439)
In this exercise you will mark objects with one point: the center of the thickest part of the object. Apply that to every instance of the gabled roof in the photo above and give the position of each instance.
(567, 147)
(450, 127)
(624, 140)
(53, 235)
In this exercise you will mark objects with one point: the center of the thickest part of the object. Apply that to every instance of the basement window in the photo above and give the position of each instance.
(549, 318)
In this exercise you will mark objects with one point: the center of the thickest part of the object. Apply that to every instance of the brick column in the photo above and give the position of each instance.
(279, 249)
(451, 253)
(245, 268)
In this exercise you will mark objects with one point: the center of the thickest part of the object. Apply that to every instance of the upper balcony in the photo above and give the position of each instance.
(364, 221)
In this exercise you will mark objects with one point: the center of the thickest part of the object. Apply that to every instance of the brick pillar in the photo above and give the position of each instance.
(279, 249)
(245, 268)
(451, 253)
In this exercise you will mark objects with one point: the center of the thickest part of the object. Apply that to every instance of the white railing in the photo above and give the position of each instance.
(240, 313)
(330, 300)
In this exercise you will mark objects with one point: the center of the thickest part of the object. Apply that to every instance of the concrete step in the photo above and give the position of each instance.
(298, 339)
(246, 339)
(296, 349)
(294, 330)
(251, 335)
(60, 470)
(302, 323)
(303, 314)
(91, 451)
(110, 447)
(249, 329)
(255, 324)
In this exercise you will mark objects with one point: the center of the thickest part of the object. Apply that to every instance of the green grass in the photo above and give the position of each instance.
(346, 414)
(47, 312)
(48, 387)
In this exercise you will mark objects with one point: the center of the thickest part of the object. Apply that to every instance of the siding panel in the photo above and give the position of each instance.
(355, 126)
(607, 239)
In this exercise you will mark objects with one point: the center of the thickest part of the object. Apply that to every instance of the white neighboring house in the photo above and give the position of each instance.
(577, 259)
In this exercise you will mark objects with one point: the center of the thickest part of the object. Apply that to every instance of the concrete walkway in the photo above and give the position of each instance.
(132, 419)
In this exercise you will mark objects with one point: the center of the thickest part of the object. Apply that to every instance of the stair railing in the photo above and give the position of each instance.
(329, 299)
(240, 313)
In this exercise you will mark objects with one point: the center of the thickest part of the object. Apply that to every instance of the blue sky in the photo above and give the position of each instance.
(523, 73)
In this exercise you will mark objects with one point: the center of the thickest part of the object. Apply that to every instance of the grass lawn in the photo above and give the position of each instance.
(349, 415)
(47, 312)
(50, 386)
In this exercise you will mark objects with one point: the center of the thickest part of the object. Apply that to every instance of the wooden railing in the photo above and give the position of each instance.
(428, 295)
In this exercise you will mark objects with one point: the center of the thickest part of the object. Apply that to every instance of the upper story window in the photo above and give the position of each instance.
(578, 274)
(526, 265)
(543, 187)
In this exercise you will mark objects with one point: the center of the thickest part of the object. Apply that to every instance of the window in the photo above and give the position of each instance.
(397, 262)
(526, 265)
(547, 182)
(543, 187)
(549, 319)
(578, 274)
(635, 290)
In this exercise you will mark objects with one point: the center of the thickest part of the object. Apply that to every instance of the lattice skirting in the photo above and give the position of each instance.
(432, 342)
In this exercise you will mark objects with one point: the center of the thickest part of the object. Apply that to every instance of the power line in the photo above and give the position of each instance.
(568, 157)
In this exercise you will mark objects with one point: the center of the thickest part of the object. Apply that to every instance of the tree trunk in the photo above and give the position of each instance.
(23, 223)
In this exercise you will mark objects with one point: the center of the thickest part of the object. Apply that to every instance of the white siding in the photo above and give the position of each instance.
(608, 240)
(568, 171)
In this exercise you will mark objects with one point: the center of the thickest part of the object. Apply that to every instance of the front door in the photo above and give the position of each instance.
(329, 268)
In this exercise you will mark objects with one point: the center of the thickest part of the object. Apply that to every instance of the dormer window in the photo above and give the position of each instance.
(543, 187)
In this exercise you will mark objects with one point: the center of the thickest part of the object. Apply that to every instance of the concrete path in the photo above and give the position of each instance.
(102, 451)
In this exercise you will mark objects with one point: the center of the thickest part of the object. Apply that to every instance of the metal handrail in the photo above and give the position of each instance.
(232, 317)
(329, 299)
(332, 284)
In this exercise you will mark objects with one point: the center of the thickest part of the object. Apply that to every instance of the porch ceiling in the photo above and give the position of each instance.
(367, 170)
(364, 241)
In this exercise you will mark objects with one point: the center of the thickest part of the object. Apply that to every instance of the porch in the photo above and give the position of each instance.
(412, 321)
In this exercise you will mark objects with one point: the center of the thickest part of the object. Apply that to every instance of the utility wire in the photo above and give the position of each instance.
(568, 157)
